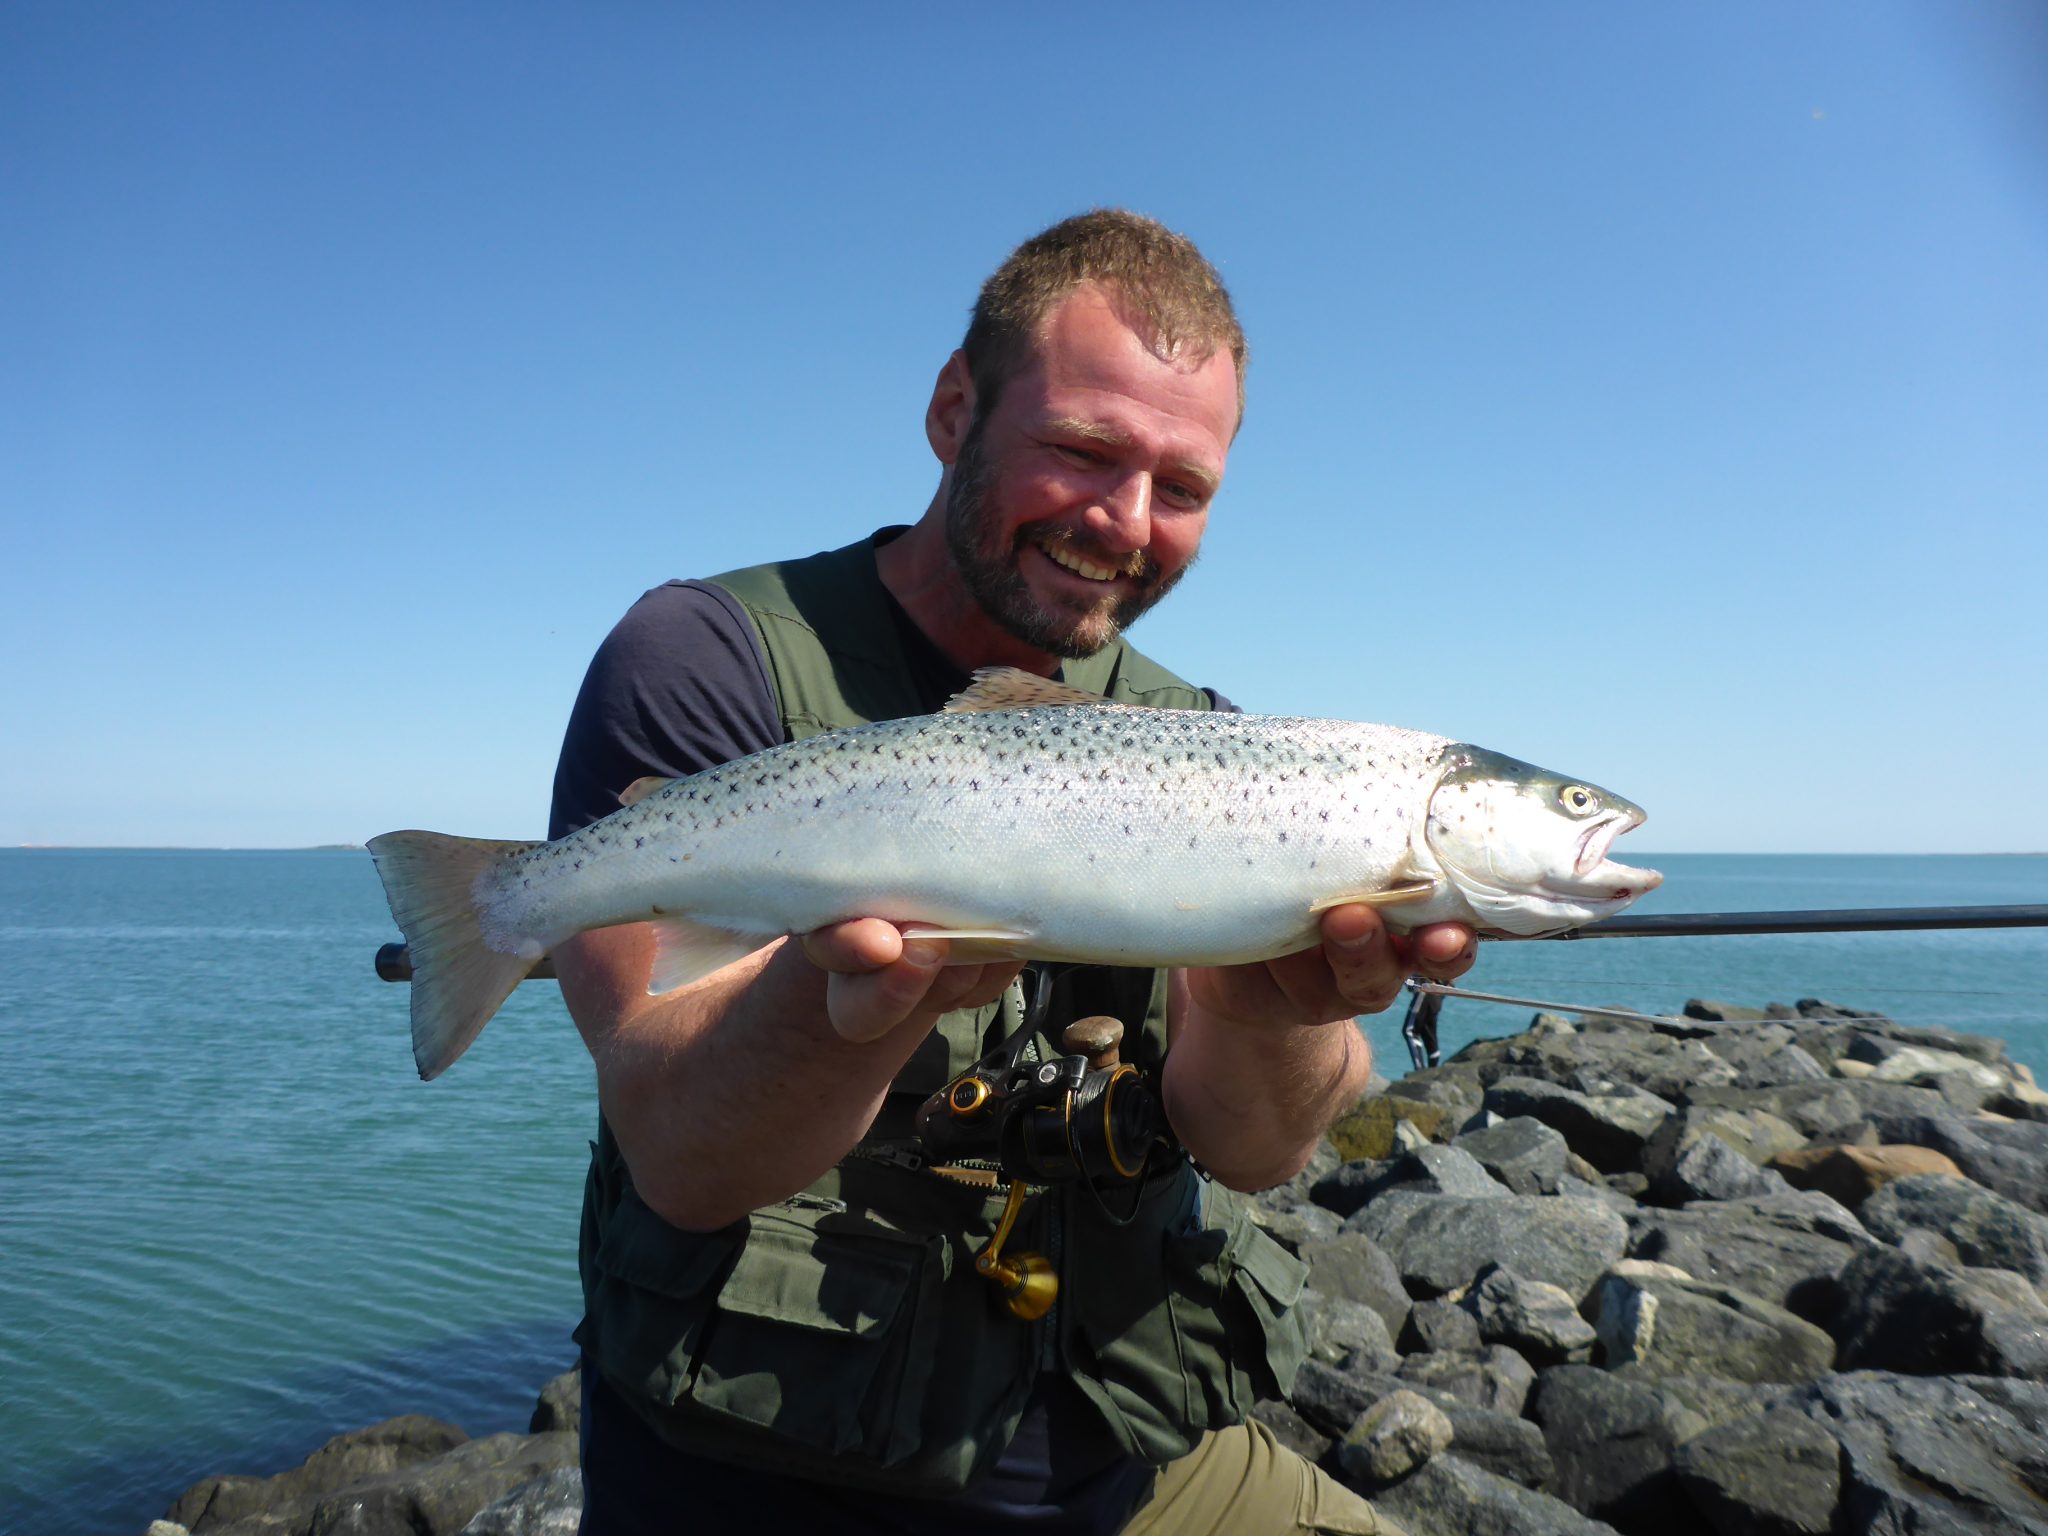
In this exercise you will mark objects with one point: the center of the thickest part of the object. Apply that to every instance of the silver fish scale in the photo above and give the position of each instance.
(1108, 834)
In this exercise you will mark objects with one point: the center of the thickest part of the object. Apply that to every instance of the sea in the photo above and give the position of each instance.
(234, 1223)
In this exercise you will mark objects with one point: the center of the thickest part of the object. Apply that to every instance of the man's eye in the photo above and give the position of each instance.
(1185, 495)
(1081, 455)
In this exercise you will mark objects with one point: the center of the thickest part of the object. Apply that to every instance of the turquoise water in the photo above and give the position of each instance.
(233, 1222)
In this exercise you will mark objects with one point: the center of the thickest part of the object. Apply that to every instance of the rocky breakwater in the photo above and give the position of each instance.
(1750, 1271)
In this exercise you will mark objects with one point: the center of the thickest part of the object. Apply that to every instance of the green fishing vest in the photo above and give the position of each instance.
(843, 1334)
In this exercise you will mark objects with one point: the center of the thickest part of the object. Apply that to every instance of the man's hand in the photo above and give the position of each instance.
(1359, 968)
(1252, 1079)
(877, 979)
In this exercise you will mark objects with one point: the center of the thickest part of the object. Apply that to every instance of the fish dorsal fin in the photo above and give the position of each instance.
(640, 789)
(1013, 688)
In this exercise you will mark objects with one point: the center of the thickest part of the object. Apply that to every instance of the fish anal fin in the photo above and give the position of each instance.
(1390, 896)
(640, 789)
(686, 951)
(1013, 688)
(972, 946)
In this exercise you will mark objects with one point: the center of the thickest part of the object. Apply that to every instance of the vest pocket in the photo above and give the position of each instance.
(812, 1322)
(1181, 1319)
(821, 1333)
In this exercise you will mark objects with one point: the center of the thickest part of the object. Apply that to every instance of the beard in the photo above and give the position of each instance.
(987, 562)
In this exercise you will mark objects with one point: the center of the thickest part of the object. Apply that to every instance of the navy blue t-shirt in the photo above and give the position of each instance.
(679, 686)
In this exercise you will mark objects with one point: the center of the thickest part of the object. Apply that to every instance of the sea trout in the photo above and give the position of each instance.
(1027, 821)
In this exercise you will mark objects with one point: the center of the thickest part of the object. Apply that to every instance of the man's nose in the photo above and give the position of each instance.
(1121, 519)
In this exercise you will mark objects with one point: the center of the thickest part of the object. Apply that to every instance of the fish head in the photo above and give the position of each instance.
(1527, 848)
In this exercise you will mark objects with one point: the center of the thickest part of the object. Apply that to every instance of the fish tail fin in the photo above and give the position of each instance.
(458, 979)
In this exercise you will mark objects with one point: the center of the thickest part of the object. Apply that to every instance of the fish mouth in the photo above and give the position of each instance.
(1597, 876)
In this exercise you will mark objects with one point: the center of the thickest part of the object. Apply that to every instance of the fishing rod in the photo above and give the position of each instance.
(394, 961)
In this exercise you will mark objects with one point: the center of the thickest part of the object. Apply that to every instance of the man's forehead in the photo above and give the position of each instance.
(1093, 361)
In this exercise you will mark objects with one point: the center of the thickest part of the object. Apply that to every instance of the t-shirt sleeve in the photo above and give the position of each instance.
(678, 686)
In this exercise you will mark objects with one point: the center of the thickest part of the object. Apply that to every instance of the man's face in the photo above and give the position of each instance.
(1080, 500)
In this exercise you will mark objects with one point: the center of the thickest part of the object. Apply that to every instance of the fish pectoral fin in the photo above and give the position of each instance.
(640, 789)
(686, 951)
(972, 946)
(1013, 688)
(1391, 896)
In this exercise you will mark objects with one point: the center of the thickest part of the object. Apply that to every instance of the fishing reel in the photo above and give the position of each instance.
(1083, 1117)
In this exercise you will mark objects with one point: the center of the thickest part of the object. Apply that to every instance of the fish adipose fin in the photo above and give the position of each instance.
(686, 951)
(458, 981)
(1012, 688)
(640, 789)
(1393, 896)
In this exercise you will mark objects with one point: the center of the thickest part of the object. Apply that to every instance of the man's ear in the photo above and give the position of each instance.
(951, 413)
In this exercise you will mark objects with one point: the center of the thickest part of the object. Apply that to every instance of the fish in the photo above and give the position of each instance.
(1027, 820)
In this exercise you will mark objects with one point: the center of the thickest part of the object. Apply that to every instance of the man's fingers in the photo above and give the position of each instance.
(853, 948)
(1442, 951)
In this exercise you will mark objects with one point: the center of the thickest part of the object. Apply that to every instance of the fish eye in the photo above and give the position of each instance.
(1578, 799)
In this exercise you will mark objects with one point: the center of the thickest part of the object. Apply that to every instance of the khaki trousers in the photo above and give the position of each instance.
(1242, 1482)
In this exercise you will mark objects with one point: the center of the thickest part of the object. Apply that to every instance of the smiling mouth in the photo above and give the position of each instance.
(1058, 547)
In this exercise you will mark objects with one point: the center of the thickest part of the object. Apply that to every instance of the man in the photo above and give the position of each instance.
(782, 1318)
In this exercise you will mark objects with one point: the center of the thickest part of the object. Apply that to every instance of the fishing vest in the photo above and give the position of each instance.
(843, 1334)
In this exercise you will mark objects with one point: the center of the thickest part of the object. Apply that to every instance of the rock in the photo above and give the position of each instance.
(1902, 1313)
(551, 1505)
(1434, 1170)
(1449, 1496)
(1852, 1174)
(1710, 1169)
(1441, 1242)
(1494, 1377)
(1346, 1187)
(435, 1497)
(2005, 1156)
(216, 1502)
(1354, 1267)
(1499, 1443)
(1756, 1134)
(1330, 1399)
(1454, 1088)
(1935, 1455)
(1539, 1322)
(1297, 1225)
(1611, 1443)
(1723, 1013)
(1787, 1064)
(1698, 1328)
(1778, 1474)
(1523, 1153)
(559, 1406)
(165, 1528)
(1339, 1328)
(1392, 1438)
(1407, 1138)
(1440, 1326)
(1777, 1250)
(1988, 1230)
(1607, 1129)
(1367, 1130)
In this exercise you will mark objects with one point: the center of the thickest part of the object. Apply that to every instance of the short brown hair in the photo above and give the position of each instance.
(1161, 277)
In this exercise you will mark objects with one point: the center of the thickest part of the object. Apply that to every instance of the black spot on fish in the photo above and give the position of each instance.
(1283, 837)
(817, 802)
(639, 842)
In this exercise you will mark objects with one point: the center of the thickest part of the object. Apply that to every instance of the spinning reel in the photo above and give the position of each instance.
(1083, 1117)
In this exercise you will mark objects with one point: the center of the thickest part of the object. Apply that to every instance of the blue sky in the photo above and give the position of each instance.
(1659, 393)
